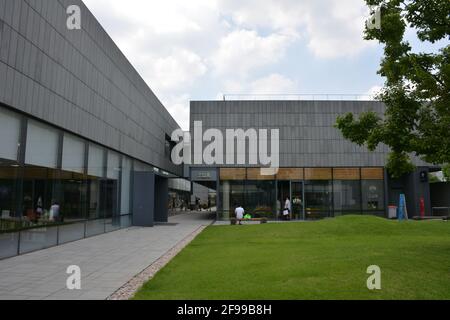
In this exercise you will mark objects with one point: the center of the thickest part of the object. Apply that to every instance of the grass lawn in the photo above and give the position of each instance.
(313, 260)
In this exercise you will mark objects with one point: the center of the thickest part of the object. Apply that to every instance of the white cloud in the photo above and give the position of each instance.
(176, 70)
(273, 84)
(176, 105)
(242, 51)
(331, 29)
(205, 46)
(340, 33)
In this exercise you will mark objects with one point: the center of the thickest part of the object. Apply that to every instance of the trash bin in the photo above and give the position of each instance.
(393, 212)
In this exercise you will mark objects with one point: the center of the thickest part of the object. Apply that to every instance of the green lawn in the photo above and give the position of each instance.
(314, 260)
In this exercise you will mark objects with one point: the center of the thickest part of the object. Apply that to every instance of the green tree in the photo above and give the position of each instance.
(446, 172)
(417, 87)
(433, 179)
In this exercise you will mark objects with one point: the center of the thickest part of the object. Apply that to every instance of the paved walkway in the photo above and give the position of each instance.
(107, 262)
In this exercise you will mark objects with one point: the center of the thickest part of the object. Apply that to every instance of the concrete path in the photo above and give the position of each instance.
(107, 262)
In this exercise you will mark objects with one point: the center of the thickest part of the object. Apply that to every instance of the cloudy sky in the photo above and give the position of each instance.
(200, 49)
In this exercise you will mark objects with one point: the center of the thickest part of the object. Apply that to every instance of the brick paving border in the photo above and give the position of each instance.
(128, 290)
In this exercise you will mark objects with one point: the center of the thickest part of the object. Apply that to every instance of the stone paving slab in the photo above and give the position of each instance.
(107, 262)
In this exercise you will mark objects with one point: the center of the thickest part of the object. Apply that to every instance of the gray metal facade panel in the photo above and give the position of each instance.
(307, 134)
(79, 80)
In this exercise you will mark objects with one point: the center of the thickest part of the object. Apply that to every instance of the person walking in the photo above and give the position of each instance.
(287, 209)
(54, 212)
(239, 212)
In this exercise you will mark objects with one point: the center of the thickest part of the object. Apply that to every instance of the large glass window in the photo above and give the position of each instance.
(9, 135)
(95, 175)
(9, 171)
(96, 161)
(373, 196)
(318, 199)
(260, 199)
(179, 196)
(47, 200)
(110, 192)
(9, 219)
(74, 196)
(74, 184)
(42, 145)
(41, 198)
(73, 154)
(347, 196)
(297, 200)
(284, 192)
(232, 194)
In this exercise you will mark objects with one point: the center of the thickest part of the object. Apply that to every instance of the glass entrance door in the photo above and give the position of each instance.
(295, 192)
(297, 198)
(284, 192)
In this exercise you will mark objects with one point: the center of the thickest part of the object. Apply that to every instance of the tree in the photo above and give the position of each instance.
(417, 87)
(446, 172)
(433, 179)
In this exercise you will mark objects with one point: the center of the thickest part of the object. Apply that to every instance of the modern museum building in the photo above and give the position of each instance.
(321, 173)
(82, 136)
(85, 145)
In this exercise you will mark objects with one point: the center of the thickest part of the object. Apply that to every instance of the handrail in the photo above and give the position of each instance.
(301, 97)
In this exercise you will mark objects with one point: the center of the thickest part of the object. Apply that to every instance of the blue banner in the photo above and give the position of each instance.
(402, 207)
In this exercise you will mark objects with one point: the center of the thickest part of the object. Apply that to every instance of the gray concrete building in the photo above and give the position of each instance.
(80, 131)
(321, 173)
(85, 145)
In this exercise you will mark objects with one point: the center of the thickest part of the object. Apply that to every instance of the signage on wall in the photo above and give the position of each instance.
(198, 174)
(203, 175)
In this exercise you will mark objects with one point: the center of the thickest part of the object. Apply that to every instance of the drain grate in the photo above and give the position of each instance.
(166, 224)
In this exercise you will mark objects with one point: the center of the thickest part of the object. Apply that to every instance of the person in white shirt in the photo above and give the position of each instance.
(239, 212)
(287, 209)
(54, 212)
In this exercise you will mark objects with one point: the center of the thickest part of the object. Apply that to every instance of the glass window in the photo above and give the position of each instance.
(96, 164)
(73, 196)
(71, 232)
(284, 192)
(42, 145)
(260, 199)
(95, 227)
(297, 200)
(232, 193)
(318, 199)
(37, 239)
(9, 244)
(126, 186)
(9, 135)
(110, 192)
(347, 195)
(373, 195)
(73, 154)
(8, 187)
(94, 198)
(179, 196)
(113, 171)
(95, 174)
(41, 199)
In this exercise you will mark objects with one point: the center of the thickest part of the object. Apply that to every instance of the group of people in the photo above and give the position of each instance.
(286, 213)
(52, 215)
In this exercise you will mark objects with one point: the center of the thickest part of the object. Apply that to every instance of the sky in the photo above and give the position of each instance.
(201, 49)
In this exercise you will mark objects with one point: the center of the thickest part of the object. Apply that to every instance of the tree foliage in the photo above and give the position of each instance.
(417, 87)
(446, 172)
